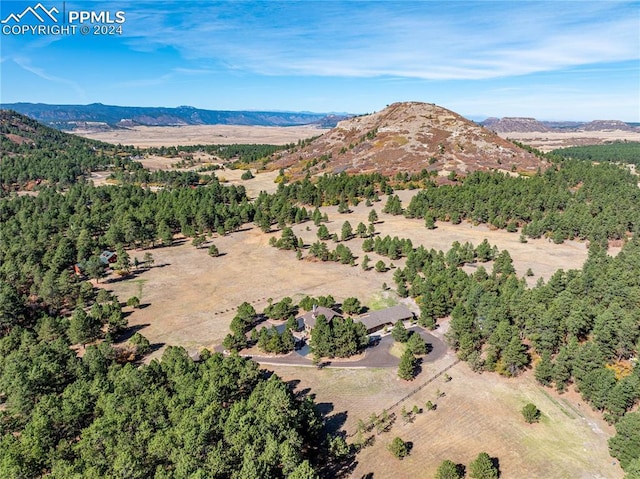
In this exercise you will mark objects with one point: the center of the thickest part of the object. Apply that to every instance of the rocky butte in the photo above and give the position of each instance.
(408, 137)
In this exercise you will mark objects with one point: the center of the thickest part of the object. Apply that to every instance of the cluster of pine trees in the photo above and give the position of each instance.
(92, 417)
(572, 199)
(617, 152)
(340, 337)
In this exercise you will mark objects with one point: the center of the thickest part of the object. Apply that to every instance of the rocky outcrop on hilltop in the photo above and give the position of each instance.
(514, 124)
(607, 125)
(408, 137)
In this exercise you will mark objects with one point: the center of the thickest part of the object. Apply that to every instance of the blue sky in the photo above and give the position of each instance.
(553, 60)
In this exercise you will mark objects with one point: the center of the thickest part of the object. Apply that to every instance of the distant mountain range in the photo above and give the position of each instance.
(97, 116)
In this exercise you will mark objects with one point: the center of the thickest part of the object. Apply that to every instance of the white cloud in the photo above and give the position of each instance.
(427, 40)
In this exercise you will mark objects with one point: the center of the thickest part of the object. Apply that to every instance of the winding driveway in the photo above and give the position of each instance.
(377, 356)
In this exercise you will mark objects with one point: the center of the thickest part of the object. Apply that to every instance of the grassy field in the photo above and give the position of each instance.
(191, 297)
(475, 413)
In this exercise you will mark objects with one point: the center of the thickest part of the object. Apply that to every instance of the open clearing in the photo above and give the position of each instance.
(190, 299)
(478, 413)
(192, 296)
(475, 413)
(151, 136)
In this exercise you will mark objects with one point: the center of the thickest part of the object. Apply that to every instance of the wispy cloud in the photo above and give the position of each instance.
(426, 40)
(25, 64)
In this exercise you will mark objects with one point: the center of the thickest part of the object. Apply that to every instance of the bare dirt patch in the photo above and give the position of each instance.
(150, 136)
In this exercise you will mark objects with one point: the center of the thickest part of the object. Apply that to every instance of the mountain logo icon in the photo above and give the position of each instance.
(39, 12)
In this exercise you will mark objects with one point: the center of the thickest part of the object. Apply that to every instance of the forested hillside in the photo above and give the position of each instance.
(69, 116)
(93, 417)
(34, 152)
(580, 327)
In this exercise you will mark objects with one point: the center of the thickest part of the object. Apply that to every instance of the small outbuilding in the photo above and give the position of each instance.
(107, 257)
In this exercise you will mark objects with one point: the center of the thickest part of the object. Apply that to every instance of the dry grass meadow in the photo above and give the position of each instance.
(151, 136)
(191, 296)
(475, 413)
(189, 299)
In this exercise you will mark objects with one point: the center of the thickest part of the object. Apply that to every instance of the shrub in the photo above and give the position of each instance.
(133, 301)
(398, 448)
(531, 413)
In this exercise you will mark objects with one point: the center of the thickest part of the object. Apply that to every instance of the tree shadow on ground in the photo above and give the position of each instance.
(496, 463)
(418, 367)
(304, 393)
(409, 445)
(324, 408)
(126, 334)
(334, 422)
(293, 384)
(343, 469)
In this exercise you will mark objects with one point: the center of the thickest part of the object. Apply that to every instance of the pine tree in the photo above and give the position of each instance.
(448, 470)
(407, 366)
(347, 231)
(399, 332)
(544, 370)
(398, 448)
(483, 468)
(515, 356)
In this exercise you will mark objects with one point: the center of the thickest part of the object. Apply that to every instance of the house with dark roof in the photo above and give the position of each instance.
(376, 320)
(309, 319)
(108, 257)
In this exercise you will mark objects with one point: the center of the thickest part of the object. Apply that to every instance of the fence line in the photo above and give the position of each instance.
(419, 388)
